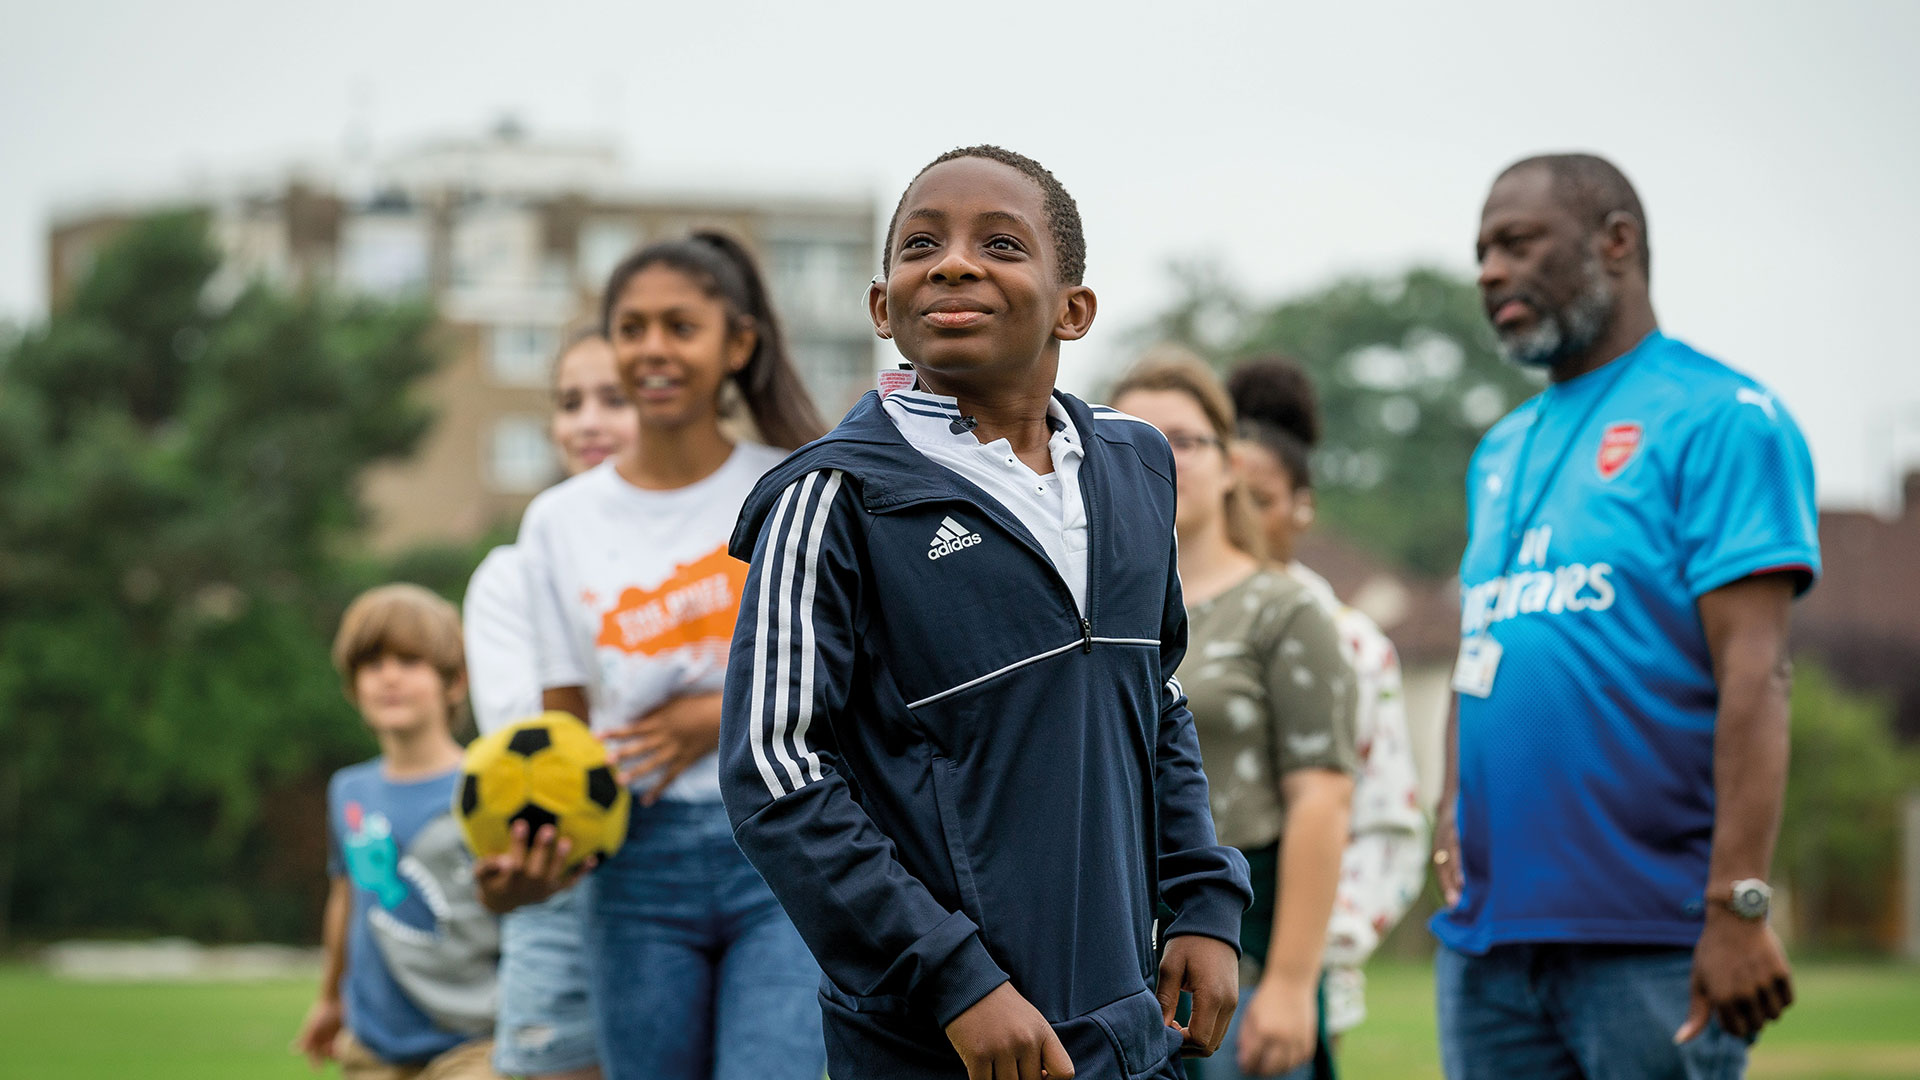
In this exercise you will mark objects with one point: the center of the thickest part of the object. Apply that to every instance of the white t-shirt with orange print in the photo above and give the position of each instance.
(633, 593)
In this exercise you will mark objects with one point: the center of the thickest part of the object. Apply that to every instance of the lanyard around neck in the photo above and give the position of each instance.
(1516, 527)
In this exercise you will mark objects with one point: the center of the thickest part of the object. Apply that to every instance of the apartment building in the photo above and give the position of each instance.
(511, 239)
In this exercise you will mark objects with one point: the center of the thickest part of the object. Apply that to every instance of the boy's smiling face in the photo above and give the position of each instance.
(974, 297)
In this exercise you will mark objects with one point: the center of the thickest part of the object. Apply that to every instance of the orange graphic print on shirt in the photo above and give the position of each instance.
(693, 608)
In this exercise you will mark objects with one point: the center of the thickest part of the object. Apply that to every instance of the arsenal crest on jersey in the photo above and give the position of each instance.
(1618, 445)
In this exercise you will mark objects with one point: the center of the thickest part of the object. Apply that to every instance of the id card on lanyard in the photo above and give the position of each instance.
(1479, 662)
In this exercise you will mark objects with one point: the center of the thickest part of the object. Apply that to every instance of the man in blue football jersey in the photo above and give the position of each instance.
(1618, 749)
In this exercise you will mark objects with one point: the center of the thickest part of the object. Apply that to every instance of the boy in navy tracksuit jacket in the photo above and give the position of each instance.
(968, 787)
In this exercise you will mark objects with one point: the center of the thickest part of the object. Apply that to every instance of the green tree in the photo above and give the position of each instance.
(178, 489)
(1409, 380)
(1840, 830)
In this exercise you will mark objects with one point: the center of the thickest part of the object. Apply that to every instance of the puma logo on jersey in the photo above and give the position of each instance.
(951, 537)
(1746, 395)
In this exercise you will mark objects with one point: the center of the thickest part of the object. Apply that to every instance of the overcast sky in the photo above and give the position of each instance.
(1776, 146)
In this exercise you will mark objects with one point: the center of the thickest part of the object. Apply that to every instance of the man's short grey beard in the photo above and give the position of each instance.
(1568, 332)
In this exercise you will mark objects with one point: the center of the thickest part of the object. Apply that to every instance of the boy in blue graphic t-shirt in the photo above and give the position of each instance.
(408, 987)
(1636, 536)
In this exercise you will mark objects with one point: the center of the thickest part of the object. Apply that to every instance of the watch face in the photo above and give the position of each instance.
(1749, 902)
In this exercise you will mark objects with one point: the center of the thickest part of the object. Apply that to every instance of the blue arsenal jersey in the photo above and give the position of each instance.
(1599, 512)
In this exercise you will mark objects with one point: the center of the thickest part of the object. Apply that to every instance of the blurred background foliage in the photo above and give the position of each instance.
(1408, 377)
(178, 513)
(1840, 840)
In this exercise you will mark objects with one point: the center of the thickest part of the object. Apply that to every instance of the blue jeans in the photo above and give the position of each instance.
(697, 973)
(1598, 1012)
(1225, 1062)
(546, 1016)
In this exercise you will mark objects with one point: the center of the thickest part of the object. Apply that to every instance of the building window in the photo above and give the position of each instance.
(819, 283)
(836, 372)
(521, 460)
(603, 244)
(384, 254)
(521, 354)
(496, 247)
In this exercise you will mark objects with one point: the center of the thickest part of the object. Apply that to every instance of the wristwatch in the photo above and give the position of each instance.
(1748, 898)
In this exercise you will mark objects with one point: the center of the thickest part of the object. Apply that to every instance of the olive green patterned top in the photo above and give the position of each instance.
(1271, 691)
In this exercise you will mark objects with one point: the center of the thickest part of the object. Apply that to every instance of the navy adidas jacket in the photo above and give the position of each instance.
(948, 776)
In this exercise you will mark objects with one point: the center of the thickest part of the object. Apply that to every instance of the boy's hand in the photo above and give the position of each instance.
(668, 739)
(1280, 1028)
(1208, 969)
(527, 874)
(1003, 1037)
(318, 1031)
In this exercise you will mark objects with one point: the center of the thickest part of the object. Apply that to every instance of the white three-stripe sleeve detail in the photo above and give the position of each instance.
(777, 719)
(754, 736)
(807, 659)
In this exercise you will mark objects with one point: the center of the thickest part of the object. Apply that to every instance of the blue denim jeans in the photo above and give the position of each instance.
(546, 1015)
(697, 973)
(1582, 1012)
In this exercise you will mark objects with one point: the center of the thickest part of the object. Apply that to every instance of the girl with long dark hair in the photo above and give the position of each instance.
(696, 972)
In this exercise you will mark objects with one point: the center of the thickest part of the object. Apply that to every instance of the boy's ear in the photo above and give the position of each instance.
(877, 306)
(1077, 306)
(457, 691)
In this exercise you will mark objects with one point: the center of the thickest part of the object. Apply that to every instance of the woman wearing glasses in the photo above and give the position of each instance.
(1272, 699)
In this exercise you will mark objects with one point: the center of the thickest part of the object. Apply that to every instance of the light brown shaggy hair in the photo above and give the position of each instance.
(405, 620)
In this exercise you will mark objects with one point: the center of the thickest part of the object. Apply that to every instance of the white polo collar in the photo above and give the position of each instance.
(927, 419)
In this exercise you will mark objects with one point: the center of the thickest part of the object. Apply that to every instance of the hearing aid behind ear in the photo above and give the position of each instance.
(879, 282)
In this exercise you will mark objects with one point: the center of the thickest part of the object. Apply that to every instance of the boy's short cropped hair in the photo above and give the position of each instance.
(1063, 214)
(405, 620)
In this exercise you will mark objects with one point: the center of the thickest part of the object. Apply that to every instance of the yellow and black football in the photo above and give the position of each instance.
(544, 770)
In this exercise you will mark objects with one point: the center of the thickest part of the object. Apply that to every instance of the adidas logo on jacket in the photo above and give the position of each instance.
(949, 538)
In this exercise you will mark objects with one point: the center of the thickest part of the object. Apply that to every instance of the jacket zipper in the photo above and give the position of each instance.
(1088, 496)
(1086, 636)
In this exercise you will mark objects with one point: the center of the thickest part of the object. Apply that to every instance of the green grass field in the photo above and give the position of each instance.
(1857, 1022)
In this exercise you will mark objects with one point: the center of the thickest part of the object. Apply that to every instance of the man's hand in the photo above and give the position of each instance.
(1740, 975)
(1279, 1030)
(318, 1031)
(668, 739)
(1208, 969)
(527, 873)
(1446, 852)
(1003, 1037)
